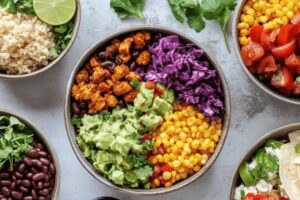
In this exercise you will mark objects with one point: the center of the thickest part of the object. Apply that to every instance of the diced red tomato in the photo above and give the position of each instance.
(268, 38)
(296, 18)
(297, 71)
(251, 53)
(183, 104)
(255, 33)
(285, 50)
(159, 91)
(293, 61)
(286, 34)
(162, 181)
(148, 136)
(150, 85)
(283, 198)
(251, 196)
(159, 150)
(156, 171)
(166, 167)
(282, 79)
(273, 196)
(267, 65)
(296, 88)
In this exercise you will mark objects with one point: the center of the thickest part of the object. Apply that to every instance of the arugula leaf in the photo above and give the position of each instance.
(127, 8)
(15, 140)
(177, 10)
(194, 18)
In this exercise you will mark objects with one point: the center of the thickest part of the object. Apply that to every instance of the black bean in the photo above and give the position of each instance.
(135, 54)
(122, 103)
(18, 175)
(40, 185)
(75, 109)
(82, 104)
(102, 56)
(29, 175)
(26, 183)
(33, 153)
(38, 176)
(107, 64)
(133, 66)
(42, 198)
(37, 163)
(39, 146)
(23, 189)
(27, 161)
(45, 161)
(44, 192)
(52, 168)
(14, 185)
(46, 184)
(28, 198)
(45, 169)
(43, 153)
(34, 170)
(5, 183)
(34, 194)
(5, 191)
(22, 168)
(4, 175)
(17, 195)
(118, 60)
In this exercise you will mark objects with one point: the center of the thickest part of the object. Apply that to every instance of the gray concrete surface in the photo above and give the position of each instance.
(41, 100)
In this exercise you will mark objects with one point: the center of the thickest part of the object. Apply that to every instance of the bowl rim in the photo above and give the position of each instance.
(56, 60)
(47, 143)
(257, 82)
(275, 133)
(70, 129)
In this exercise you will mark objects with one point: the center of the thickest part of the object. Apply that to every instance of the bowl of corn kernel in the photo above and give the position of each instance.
(267, 42)
(147, 110)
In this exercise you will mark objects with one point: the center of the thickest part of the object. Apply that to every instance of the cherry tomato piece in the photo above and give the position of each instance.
(255, 33)
(268, 38)
(293, 61)
(282, 79)
(285, 50)
(267, 65)
(150, 85)
(156, 171)
(286, 34)
(251, 53)
(166, 167)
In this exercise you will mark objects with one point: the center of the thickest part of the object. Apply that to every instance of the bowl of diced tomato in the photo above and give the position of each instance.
(267, 43)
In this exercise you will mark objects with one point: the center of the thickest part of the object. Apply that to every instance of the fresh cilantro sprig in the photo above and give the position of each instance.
(62, 35)
(15, 140)
(14, 6)
(194, 12)
(127, 8)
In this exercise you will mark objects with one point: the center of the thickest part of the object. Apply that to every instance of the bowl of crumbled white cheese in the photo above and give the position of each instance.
(271, 168)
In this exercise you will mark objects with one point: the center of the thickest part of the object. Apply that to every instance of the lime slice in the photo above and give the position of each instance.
(55, 12)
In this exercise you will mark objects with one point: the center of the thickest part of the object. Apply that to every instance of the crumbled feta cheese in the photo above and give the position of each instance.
(263, 186)
(252, 165)
(238, 192)
(297, 160)
(271, 151)
(271, 176)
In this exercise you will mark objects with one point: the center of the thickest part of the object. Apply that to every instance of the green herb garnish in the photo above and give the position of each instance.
(14, 6)
(194, 12)
(62, 35)
(127, 8)
(15, 140)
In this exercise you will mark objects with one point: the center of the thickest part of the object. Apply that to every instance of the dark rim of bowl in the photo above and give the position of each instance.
(279, 133)
(50, 148)
(257, 82)
(72, 134)
(56, 60)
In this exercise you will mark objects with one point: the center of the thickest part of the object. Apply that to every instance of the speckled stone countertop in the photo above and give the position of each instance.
(41, 100)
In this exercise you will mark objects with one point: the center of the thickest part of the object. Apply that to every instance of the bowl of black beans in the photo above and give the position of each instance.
(29, 168)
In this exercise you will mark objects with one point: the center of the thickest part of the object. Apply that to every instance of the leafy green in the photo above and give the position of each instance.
(14, 6)
(194, 12)
(15, 140)
(297, 148)
(274, 143)
(220, 11)
(127, 8)
(62, 35)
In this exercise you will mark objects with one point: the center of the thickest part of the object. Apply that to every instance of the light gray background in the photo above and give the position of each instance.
(41, 100)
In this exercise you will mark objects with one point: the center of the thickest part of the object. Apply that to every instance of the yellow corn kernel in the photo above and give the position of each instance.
(200, 115)
(166, 175)
(180, 159)
(156, 182)
(182, 136)
(181, 170)
(174, 149)
(166, 158)
(168, 149)
(218, 132)
(249, 20)
(187, 150)
(174, 173)
(166, 143)
(178, 177)
(164, 136)
(206, 134)
(290, 5)
(173, 156)
(183, 175)
(186, 130)
(154, 160)
(160, 158)
(215, 138)
(290, 14)
(198, 156)
(244, 32)
(189, 140)
(168, 184)
(176, 163)
(263, 19)
(196, 168)
(285, 19)
(194, 129)
(170, 130)
(157, 142)
(167, 117)
(195, 144)
(204, 159)
(279, 13)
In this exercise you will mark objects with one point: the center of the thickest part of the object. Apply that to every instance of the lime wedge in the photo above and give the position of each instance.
(55, 12)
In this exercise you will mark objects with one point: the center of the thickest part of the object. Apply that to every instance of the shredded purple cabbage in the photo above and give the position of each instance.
(185, 69)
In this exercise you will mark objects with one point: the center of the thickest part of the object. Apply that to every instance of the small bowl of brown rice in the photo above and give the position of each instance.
(29, 46)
